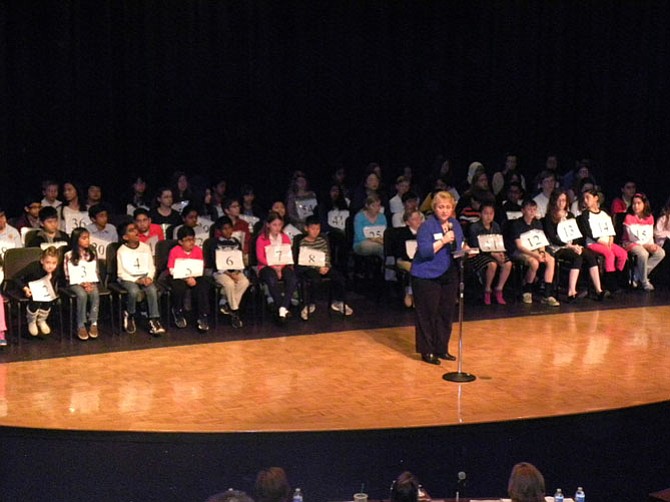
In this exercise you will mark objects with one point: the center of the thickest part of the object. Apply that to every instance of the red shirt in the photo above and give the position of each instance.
(178, 252)
(153, 230)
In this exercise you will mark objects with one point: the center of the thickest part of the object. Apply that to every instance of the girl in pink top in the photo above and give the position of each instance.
(268, 241)
(638, 240)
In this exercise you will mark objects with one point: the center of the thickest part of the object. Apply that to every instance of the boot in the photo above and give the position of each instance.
(32, 322)
(42, 315)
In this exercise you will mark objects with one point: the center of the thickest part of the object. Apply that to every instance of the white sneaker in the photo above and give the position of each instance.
(647, 286)
(527, 298)
(304, 313)
(342, 308)
(283, 312)
(312, 308)
(551, 301)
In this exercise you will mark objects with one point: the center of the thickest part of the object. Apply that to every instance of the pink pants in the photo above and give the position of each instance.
(614, 255)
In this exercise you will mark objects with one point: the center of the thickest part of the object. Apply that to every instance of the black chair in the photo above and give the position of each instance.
(17, 262)
(162, 283)
(366, 268)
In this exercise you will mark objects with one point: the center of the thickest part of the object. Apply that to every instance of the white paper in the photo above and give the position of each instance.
(513, 215)
(337, 218)
(136, 264)
(229, 259)
(374, 232)
(491, 243)
(151, 242)
(534, 239)
(305, 208)
(279, 255)
(410, 248)
(100, 246)
(5, 245)
(42, 290)
(84, 271)
(251, 220)
(568, 230)
(187, 267)
(57, 244)
(311, 257)
(641, 234)
(291, 231)
(601, 227)
(75, 219)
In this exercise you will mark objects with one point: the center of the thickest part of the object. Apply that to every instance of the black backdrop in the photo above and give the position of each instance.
(103, 89)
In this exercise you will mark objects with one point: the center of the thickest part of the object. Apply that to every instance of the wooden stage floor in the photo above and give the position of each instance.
(534, 366)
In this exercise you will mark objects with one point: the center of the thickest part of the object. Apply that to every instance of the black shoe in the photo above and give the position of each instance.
(225, 309)
(602, 295)
(129, 323)
(236, 321)
(571, 299)
(430, 359)
(155, 327)
(446, 356)
(179, 319)
(203, 324)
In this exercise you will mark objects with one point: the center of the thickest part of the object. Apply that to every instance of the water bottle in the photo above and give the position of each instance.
(558, 496)
(579, 495)
(297, 495)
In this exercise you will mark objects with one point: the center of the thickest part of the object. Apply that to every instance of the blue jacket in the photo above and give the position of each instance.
(427, 264)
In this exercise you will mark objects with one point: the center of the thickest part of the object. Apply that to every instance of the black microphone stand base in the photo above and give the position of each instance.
(459, 376)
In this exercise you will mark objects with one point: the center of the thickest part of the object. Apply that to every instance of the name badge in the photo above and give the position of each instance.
(229, 259)
(438, 236)
(84, 271)
(279, 255)
(187, 267)
(42, 290)
(534, 239)
(311, 257)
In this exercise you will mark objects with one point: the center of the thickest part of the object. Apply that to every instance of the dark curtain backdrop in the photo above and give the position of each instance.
(241, 90)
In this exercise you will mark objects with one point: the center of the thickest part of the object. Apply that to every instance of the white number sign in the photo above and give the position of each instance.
(374, 232)
(641, 234)
(568, 230)
(337, 218)
(311, 257)
(410, 248)
(305, 207)
(74, 219)
(279, 255)
(136, 264)
(601, 227)
(42, 290)
(229, 259)
(100, 246)
(4, 246)
(84, 271)
(187, 267)
(534, 239)
(491, 243)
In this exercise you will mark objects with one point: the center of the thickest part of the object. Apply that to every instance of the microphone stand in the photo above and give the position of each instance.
(459, 376)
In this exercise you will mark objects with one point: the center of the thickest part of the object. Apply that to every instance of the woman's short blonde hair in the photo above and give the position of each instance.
(443, 197)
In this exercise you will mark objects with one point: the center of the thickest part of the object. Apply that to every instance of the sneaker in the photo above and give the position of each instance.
(283, 312)
(551, 301)
(487, 298)
(342, 308)
(203, 323)
(527, 298)
(179, 319)
(32, 329)
(82, 334)
(155, 327)
(236, 321)
(93, 331)
(3, 342)
(312, 308)
(304, 313)
(500, 299)
(647, 286)
(225, 309)
(129, 323)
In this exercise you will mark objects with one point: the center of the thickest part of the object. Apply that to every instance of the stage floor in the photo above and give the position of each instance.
(526, 367)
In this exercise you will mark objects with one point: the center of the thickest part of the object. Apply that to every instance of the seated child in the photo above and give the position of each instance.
(49, 233)
(188, 250)
(37, 312)
(135, 272)
(311, 275)
(100, 229)
(31, 213)
(233, 282)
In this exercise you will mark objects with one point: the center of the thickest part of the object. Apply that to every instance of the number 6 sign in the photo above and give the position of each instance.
(229, 259)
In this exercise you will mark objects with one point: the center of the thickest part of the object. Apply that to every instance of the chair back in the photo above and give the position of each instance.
(18, 261)
(162, 254)
(111, 262)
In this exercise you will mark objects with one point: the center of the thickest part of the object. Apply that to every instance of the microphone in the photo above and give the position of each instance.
(460, 485)
(452, 244)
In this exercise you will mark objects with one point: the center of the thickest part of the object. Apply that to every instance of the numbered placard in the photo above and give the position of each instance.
(309, 257)
(179, 206)
(100, 246)
(74, 219)
(513, 215)
(279, 255)
(57, 245)
(202, 230)
(84, 271)
(491, 243)
(251, 220)
(5, 245)
(291, 231)
(305, 207)
(42, 290)
(534, 239)
(229, 259)
(568, 230)
(410, 248)
(337, 218)
(136, 264)
(187, 267)
(240, 236)
(601, 226)
(641, 234)
(24, 233)
(374, 231)
(151, 242)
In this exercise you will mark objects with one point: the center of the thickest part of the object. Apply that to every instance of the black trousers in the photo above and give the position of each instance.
(434, 305)
(311, 277)
(200, 292)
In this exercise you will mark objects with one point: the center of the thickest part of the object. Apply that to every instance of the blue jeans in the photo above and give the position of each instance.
(134, 291)
(83, 298)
